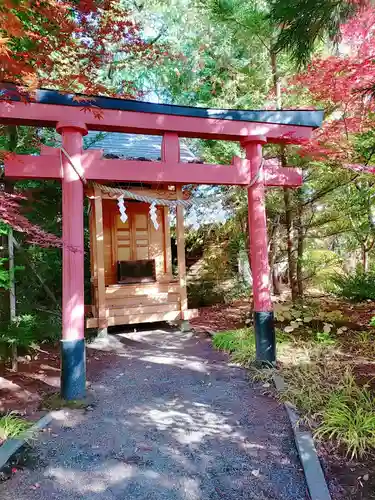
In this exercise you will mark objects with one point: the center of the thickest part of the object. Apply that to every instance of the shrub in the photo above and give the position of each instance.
(318, 265)
(309, 383)
(27, 331)
(12, 426)
(355, 286)
(349, 418)
(204, 293)
(21, 332)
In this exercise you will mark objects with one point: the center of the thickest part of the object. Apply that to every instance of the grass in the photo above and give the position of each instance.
(11, 426)
(319, 383)
(56, 402)
(349, 418)
(364, 344)
(240, 343)
(311, 373)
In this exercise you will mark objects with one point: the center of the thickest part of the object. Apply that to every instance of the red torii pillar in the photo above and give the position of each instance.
(73, 369)
(265, 340)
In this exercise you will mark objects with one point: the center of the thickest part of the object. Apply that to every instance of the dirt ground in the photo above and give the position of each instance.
(221, 317)
(39, 375)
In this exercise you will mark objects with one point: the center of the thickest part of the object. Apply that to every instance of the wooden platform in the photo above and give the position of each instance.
(142, 303)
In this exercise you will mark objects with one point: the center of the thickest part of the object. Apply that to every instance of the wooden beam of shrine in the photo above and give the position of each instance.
(139, 122)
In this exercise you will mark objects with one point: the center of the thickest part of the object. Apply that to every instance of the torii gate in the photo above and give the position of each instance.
(73, 116)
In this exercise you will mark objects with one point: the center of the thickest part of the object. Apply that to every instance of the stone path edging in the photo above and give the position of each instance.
(314, 475)
(11, 446)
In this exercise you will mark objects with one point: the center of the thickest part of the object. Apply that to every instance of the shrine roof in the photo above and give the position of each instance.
(303, 118)
(116, 144)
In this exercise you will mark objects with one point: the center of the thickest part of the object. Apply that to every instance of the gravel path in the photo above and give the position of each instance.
(172, 420)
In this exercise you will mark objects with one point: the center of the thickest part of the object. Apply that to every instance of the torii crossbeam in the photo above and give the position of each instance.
(73, 116)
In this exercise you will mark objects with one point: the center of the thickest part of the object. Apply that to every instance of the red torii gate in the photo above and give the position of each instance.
(73, 117)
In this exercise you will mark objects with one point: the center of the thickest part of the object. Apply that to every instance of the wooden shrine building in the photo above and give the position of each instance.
(129, 248)
(136, 255)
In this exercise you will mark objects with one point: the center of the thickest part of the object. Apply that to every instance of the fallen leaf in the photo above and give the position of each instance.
(307, 319)
(327, 328)
(366, 477)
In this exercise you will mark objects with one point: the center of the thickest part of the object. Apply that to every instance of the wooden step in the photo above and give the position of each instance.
(148, 289)
(159, 308)
(131, 319)
(143, 300)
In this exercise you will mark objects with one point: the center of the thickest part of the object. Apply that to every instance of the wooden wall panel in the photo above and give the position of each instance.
(157, 246)
(167, 244)
(109, 210)
(100, 266)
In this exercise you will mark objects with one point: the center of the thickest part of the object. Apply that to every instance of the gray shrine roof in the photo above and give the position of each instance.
(119, 145)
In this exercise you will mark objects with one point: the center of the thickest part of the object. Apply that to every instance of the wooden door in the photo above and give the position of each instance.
(136, 239)
(141, 233)
(133, 236)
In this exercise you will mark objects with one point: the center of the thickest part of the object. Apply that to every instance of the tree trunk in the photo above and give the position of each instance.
(5, 293)
(300, 248)
(292, 264)
(276, 80)
(7, 308)
(274, 278)
(364, 258)
(12, 290)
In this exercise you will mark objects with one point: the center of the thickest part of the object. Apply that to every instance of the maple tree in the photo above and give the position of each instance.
(66, 45)
(343, 85)
(10, 214)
